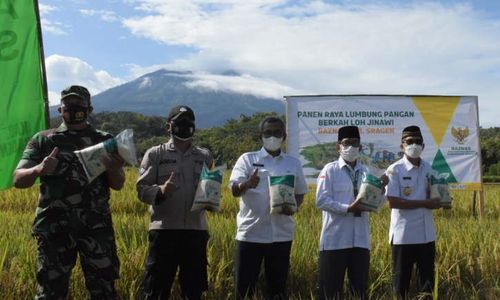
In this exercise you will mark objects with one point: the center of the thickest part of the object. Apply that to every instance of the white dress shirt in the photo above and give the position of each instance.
(255, 222)
(334, 194)
(409, 182)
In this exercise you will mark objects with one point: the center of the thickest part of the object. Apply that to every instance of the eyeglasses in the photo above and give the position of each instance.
(350, 142)
(411, 141)
(276, 133)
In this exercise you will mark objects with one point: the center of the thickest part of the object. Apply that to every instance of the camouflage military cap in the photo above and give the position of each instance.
(76, 90)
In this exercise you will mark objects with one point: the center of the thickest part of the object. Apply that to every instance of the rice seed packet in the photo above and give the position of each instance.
(91, 157)
(208, 192)
(439, 189)
(282, 194)
(370, 193)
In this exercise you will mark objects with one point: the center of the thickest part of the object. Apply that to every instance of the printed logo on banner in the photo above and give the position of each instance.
(460, 134)
(441, 166)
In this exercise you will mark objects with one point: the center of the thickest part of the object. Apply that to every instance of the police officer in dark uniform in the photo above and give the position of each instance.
(178, 237)
(73, 216)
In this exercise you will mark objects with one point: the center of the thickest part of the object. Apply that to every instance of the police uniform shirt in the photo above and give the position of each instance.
(173, 212)
(334, 194)
(254, 221)
(409, 182)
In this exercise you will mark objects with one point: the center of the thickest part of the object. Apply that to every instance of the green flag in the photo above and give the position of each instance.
(22, 86)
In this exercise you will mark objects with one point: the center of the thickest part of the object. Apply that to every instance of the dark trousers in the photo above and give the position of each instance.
(403, 259)
(249, 257)
(57, 255)
(332, 267)
(170, 250)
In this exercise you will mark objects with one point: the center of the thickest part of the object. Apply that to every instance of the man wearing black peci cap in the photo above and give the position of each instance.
(178, 237)
(345, 235)
(412, 233)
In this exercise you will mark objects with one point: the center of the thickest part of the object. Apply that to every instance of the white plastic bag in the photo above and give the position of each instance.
(208, 192)
(439, 189)
(91, 157)
(370, 193)
(282, 194)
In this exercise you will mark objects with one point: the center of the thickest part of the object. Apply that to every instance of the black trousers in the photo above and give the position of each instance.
(403, 259)
(170, 250)
(332, 267)
(249, 257)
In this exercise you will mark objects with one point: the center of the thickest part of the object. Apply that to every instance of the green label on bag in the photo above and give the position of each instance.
(435, 180)
(371, 179)
(110, 145)
(286, 180)
(211, 175)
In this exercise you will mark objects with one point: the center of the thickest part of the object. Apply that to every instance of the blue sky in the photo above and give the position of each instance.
(281, 47)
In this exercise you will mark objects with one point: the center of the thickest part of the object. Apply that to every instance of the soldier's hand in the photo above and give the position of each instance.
(113, 162)
(49, 163)
(254, 179)
(169, 186)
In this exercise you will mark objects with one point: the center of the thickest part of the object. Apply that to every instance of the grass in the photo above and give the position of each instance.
(468, 252)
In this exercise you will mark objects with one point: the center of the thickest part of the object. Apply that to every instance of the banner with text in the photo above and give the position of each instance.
(449, 125)
(22, 105)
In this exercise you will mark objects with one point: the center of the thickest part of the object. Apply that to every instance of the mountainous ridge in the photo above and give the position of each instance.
(156, 92)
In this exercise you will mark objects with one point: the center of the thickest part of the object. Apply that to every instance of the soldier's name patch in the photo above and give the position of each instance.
(258, 165)
(407, 178)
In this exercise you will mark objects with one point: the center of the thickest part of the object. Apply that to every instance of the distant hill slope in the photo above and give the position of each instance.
(155, 93)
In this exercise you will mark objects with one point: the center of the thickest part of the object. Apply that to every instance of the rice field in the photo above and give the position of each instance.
(468, 252)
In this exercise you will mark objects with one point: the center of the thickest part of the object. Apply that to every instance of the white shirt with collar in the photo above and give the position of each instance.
(255, 222)
(409, 182)
(334, 194)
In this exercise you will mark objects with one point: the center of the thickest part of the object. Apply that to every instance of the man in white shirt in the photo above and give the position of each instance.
(411, 232)
(262, 236)
(345, 235)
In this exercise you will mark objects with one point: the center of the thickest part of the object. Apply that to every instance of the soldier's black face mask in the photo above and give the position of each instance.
(182, 129)
(76, 114)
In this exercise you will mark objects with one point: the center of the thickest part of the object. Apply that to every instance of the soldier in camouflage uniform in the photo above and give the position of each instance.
(73, 216)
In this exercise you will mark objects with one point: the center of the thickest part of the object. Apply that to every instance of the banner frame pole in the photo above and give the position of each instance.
(42, 62)
(481, 191)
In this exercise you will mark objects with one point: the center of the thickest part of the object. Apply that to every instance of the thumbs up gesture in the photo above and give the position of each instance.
(253, 180)
(49, 163)
(169, 186)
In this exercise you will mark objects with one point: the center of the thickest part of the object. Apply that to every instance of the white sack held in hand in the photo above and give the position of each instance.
(282, 194)
(370, 193)
(91, 157)
(439, 189)
(208, 192)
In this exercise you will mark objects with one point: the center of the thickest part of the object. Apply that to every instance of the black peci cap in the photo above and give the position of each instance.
(349, 132)
(411, 131)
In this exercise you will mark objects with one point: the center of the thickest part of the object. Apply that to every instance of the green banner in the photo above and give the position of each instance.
(22, 106)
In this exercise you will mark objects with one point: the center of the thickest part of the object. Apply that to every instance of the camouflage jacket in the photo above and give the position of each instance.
(67, 200)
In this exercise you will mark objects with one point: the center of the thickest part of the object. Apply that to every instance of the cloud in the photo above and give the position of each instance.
(48, 26)
(105, 15)
(63, 71)
(320, 47)
(244, 84)
(46, 9)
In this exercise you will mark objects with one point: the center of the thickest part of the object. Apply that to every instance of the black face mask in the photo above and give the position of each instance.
(182, 129)
(77, 114)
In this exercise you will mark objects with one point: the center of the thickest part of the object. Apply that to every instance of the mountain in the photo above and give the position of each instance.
(155, 93)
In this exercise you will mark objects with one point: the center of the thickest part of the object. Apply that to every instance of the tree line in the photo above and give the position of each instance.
(236, 136)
